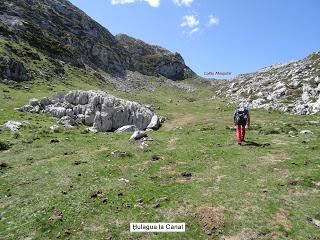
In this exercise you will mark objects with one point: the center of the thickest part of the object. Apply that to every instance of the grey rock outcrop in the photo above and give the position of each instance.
(293, 87)
(12, 70)
(13, 125)
(99, 110)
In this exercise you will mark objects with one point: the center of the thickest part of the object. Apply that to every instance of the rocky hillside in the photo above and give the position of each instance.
(292, 87)
(66, 35)
(151, 59)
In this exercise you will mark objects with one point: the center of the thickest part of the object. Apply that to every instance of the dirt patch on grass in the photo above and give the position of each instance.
(244, 212)
(282, 171)
(219, 178)
(211, 219)
(281, 218)
(172, 143)
(271, 158)
(305, 192)
(277, 141)
(172, 213)
(244, 234)
(182, 119)
(178, 120)
(169, 169)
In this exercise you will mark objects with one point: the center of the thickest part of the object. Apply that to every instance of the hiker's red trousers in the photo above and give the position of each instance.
(240, 133)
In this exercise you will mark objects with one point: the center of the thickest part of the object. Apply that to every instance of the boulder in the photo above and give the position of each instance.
(35, 109)
(70, 97)
(13, 125)
(306, 132)
(69, 112)
(162, 119)
(53, 127)
(138, 135)
(102, 122)
(34, 102)
(99, 110)
(257, 103)
(56, 111)
(127, 128)
(45, 102)
(67, 120)
(154, 123)
(89, 117)
(79, 119)
(83, 98)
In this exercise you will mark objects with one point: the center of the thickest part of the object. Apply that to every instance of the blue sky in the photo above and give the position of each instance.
(236, 36)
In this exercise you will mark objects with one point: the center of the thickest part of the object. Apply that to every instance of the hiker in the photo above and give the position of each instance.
(241, 120)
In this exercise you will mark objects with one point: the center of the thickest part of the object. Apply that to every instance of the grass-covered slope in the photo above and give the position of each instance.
(51, 186)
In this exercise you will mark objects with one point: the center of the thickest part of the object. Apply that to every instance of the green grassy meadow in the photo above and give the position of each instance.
(85, 185)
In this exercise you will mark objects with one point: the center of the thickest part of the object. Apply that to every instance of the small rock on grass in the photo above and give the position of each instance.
(156, 158)
(118, 153)
(107, 238)
(140, 200)
(78, 162)
(69, 152)
(54, 141)
(68, 231)
(306, 132)
(58, 214)
(124, 180)
(294, 182)
(53, 127)
(13, 125)
(3, 164)
(316, 183)
(97, 194)
(163, 198)
(156, 205)
(316, 222)
(186, 174)
(138, 135)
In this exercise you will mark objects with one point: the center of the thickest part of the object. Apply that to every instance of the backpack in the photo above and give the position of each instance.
(241, 116)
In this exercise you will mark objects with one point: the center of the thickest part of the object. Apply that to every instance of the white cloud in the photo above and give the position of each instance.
(152, 3)
(190, 21)
(115, 2)
(183, 2)
(213, 20)
(194, 30)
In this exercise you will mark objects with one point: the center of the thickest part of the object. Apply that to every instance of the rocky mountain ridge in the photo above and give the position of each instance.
(66, 35)
(293, 87)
